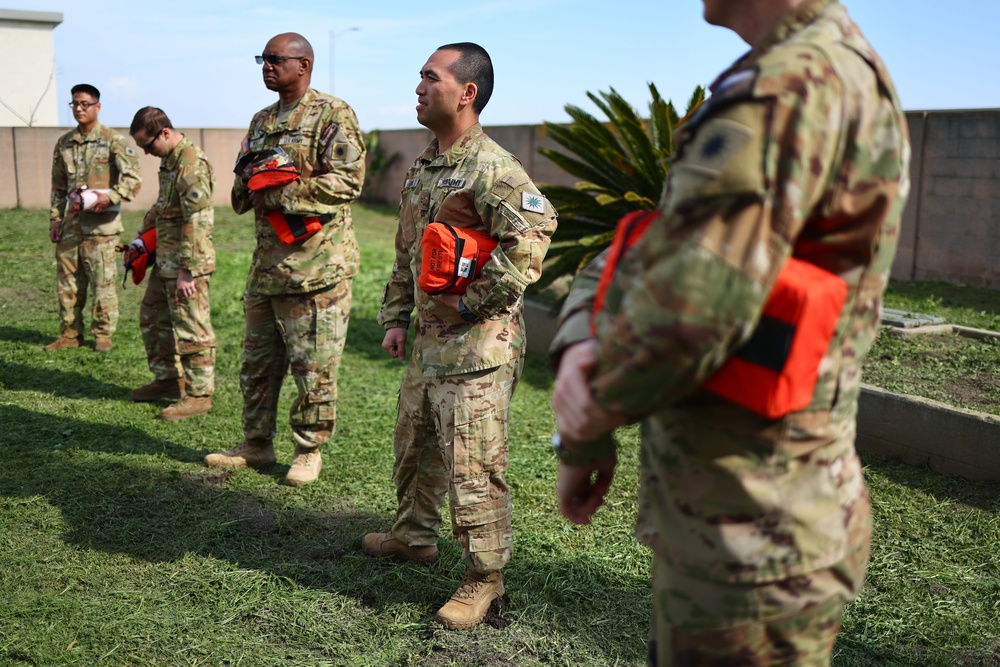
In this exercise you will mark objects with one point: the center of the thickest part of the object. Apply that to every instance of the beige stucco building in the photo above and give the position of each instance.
(28, 82)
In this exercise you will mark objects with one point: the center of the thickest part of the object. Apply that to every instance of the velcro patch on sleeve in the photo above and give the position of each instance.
(724, 156)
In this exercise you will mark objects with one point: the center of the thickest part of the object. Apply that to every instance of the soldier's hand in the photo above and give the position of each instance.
(578, 415)
(395, 343)
(185, 284)
(581, 489)
(102, 203)
(55, 233)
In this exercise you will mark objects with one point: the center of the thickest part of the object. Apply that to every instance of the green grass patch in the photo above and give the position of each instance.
(118, 547)
(961, 371)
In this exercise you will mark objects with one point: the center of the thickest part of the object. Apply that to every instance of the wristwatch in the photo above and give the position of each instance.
(466, 314)
(587, 453)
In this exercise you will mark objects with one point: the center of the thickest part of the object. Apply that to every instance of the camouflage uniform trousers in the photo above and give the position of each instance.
(304, 332)
(451, 435)
(177, 334)
(83, 261)
(699, 622)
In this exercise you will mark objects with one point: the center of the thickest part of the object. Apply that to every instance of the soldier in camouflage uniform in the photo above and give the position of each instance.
(175, 316)
(454, 402)
(298, 296)
(97, 158)
(759, 527)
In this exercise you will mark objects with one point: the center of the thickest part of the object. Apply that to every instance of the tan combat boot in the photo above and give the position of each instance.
(384, 545)
(468, 606)
(63, 343)
(189, 406)
(158, 389)
(102, 344)
(253, 453)
(306, 465)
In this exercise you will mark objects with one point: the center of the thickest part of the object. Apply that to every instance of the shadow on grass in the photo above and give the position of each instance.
(69, 384)
(29, 336)
(112, 503)
(982, 495)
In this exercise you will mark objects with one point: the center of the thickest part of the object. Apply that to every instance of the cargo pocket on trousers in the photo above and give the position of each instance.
(481, 436)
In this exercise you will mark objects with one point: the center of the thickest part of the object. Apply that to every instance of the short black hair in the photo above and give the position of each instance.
(86, 88)
(473, 65)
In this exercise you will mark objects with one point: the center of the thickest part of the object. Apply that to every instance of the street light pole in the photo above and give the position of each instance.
(333, 38)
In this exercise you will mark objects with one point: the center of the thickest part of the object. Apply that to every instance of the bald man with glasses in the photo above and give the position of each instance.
(298, 294)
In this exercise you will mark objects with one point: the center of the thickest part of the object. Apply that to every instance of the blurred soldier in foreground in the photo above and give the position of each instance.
(175, 316)
(298, 294)
(760, 525)
(95, 160)
(454, 402)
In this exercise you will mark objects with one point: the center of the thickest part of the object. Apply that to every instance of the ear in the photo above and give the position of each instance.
(305, 66)
(469, 94)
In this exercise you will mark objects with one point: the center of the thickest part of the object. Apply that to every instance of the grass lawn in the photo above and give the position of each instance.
(118, 547)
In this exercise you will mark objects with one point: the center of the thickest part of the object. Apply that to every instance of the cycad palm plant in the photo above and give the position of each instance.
(623, 164)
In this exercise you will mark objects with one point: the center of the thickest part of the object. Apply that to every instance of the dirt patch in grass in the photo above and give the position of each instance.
(958, 370)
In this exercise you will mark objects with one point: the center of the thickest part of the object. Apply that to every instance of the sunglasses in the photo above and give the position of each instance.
(272, 59)
(148, 147)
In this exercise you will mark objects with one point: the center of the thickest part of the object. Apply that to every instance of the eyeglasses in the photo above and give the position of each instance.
(149, 147)
(83, 105)
(272, 59)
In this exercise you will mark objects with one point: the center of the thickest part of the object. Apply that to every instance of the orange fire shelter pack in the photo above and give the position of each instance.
(273, 168)
(775, 372)
(138, 256)
(452, 257)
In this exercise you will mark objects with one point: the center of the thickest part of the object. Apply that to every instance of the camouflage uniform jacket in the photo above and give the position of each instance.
(184, 213)
(801, 150)
(323, 138)
(100, 160)
(475, 184)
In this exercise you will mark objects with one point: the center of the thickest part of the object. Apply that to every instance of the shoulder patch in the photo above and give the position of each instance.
(129, 151)
(532, 202)
(716, 144)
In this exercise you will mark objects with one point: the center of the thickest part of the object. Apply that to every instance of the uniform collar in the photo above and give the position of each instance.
(94, 134)
(170, 161)
(793, 22)
(295, 116)
(458, 150)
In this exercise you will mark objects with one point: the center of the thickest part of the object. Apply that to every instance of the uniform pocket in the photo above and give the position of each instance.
(481, 435)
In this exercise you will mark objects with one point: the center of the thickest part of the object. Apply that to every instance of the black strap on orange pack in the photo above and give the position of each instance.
(291, 227)
(452, 257)
(775, 372)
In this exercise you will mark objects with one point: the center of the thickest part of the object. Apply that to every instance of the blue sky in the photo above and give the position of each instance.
(195, 59)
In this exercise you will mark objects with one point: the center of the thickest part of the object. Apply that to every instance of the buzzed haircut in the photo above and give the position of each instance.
(86, 88)
(150, 120)
(473, 65)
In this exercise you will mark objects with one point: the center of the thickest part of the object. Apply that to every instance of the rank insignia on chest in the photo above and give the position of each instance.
(451, 182)
(532, 202)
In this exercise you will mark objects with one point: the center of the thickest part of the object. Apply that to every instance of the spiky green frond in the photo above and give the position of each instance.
(621, 163)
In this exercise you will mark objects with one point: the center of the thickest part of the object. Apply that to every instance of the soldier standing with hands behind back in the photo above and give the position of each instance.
(298, 294)
(175, 315)
(759, 522)
(96, 158)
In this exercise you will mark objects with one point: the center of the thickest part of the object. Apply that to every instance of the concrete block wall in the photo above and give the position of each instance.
(26, 165)
(951, 224)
